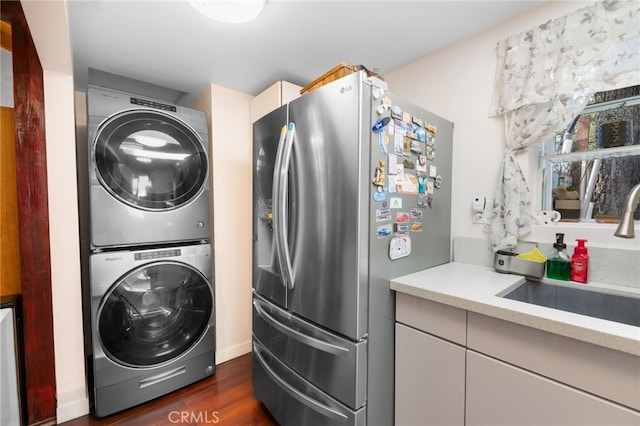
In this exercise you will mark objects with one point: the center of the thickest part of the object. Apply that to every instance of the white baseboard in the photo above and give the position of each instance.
(233, 352)
(72, 410)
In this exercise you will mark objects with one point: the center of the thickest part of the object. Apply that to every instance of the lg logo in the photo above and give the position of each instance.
(345, 89)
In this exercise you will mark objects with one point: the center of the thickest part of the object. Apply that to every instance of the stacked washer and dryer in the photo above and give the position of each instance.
(150, 266)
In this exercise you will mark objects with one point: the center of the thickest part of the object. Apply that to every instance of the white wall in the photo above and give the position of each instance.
(457, 83)
(47, 22)
(228, 113)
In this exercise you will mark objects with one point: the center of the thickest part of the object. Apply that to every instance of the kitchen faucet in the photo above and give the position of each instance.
(625, 227)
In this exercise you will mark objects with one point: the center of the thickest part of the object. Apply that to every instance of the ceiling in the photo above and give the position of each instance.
(167, 43)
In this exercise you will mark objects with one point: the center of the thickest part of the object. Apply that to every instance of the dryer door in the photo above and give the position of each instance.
(149, 159)
(154, 314)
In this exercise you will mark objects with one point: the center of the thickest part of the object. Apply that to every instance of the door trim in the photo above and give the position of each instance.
(33, 213)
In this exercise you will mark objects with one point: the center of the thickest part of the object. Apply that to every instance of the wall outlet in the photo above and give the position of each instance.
(478, 218)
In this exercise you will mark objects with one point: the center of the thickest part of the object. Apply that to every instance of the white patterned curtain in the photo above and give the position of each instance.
(544, 78)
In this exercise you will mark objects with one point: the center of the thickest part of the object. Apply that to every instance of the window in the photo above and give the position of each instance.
(589, 169)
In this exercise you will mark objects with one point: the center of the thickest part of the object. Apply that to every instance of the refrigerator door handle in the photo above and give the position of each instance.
(302, 398)
(276, 197)
(296, 335)
(280, 208)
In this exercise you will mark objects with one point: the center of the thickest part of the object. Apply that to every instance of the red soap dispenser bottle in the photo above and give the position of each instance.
(580, 263)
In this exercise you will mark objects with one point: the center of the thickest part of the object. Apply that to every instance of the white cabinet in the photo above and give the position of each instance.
(438, 319)
(601, 371)
(430, 371)
(463, 368)
(429, 379)
(501, 394)
(279, 93)
(12, 391)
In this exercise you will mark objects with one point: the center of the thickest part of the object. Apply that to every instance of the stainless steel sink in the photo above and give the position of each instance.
(598, 303)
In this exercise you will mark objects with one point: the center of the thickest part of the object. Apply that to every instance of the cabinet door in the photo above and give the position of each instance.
(430, 376)
(501, 394)
(273, 97)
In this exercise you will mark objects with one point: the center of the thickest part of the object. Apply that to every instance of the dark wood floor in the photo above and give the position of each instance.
(226, 399)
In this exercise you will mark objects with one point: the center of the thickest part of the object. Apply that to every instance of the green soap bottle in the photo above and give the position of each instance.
(559, 264)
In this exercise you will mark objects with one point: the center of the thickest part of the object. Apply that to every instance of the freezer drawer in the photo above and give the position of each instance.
(294, 401)
(334, 364)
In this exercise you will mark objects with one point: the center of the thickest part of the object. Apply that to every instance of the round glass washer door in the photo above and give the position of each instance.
(149, 159)
(154, 314)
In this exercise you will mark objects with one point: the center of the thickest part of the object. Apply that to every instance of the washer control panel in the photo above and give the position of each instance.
(157, 254)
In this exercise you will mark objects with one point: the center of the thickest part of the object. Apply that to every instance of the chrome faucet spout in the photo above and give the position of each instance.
(625, 227)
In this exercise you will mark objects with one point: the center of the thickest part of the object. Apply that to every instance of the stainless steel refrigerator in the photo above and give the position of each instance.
(352, 186)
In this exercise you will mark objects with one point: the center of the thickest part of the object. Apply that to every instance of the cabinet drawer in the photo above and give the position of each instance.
(432, 317)
(499, 393)
(605, 372)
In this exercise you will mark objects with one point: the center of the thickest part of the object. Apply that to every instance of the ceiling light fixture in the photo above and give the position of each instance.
(229, 11)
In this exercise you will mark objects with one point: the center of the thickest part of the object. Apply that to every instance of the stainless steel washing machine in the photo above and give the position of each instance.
(148, 171)
(152, 322)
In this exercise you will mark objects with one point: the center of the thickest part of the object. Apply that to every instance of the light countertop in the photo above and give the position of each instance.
(474, 288)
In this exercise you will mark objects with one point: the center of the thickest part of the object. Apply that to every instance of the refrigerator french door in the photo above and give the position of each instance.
(332, 224)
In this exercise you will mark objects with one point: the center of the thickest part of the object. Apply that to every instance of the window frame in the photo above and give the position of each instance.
(547, 158)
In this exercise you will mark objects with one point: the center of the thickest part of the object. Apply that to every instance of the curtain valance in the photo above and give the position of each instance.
(544, 77)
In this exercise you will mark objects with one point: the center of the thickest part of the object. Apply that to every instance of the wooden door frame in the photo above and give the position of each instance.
(33, 214)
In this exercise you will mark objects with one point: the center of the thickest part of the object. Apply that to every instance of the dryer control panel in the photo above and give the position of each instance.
(153, 104)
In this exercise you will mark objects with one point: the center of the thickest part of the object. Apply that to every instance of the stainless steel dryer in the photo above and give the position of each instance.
(148, 171)
(152, 322)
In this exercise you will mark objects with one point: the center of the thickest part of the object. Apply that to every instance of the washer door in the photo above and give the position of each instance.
(154, 314)
(149, 159)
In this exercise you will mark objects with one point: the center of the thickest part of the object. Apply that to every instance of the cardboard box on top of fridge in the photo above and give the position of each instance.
(341, 70)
